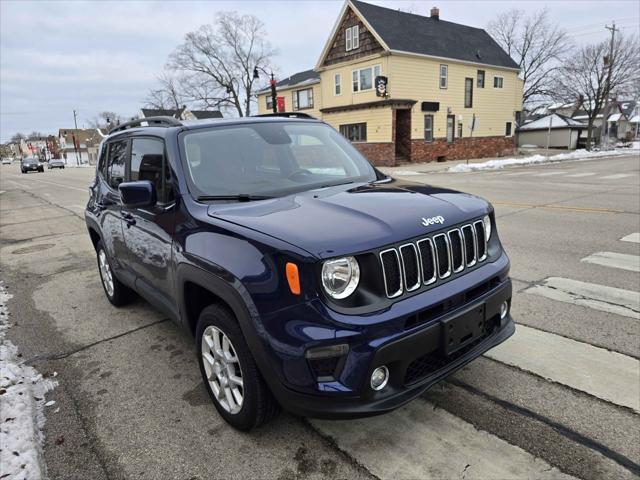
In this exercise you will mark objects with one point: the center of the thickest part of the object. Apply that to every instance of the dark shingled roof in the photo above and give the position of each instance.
(202, 114)
(307, 75)
(424, 35)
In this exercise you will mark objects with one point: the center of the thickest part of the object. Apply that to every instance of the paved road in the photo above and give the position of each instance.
(560, 399)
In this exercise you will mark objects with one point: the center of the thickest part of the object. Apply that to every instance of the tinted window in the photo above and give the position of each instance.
(115, 163)
(148, 163)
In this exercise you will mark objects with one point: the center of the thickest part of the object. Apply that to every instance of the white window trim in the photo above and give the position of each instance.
(373, 77)
(348, 40)
(355, 37)
(336, 84)
(295, 100)
(445, 76)
(505, 126)
(494, 82)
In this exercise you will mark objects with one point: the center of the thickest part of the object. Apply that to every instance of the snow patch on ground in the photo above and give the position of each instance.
(22, 391)
(533, 159)
(406, 173)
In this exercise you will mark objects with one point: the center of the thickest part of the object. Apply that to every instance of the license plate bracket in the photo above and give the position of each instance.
(463, 329)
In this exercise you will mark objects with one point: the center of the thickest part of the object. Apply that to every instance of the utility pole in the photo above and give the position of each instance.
(549, 133)
(75, 145)
(604, 130)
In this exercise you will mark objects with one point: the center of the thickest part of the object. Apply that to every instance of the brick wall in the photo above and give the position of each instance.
(461, 148)
(379, 154)
(384, 154)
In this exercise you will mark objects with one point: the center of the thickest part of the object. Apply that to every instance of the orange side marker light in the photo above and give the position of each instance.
(293, 278)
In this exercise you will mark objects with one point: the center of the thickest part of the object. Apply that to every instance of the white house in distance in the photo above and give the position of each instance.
(559, 131)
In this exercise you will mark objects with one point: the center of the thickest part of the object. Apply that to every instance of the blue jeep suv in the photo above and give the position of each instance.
(309, 279)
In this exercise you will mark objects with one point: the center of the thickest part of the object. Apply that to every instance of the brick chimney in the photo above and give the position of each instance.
(435, 13)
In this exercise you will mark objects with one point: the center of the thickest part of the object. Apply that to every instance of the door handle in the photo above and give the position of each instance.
(129, 219)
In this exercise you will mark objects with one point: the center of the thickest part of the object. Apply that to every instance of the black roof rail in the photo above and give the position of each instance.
(150, 121)
(287, 115)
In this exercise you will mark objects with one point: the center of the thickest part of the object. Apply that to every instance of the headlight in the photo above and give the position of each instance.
(340, 277)
(487, 227)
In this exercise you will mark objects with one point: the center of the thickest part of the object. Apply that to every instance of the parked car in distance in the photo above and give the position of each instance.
(309, 279)
(31, 164)
(7, 161)
(55, 163)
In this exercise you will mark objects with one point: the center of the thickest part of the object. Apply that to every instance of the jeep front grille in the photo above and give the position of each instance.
(430, 259)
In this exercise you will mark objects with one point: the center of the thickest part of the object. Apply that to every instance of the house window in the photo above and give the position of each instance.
(459, 129)
(337, 82)
(468, 92)
(352, 38)
(518, 118)
(498, 82)
(269, 99)
(480, 78)
(303, 99)
(363, 79)
(428, 128)
(507, 130)
(354, 132)
(444, 73)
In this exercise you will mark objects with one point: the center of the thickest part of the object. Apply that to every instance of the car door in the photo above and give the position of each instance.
(148, 231)
(108, 206)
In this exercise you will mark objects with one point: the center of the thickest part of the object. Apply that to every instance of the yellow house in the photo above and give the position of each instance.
(404, 87)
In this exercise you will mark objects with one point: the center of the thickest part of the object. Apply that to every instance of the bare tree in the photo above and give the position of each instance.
(535, 44)
(16, 138)
(592, 75)
(170, 93)
(105, 120)
(216, 62)
(36, 134)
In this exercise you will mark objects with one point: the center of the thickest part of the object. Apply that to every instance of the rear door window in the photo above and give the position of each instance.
(117, 155)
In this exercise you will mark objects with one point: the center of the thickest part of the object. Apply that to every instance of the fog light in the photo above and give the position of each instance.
(504, 308)
(379, 378)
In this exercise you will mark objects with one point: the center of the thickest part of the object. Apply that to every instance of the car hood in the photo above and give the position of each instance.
(350, 219)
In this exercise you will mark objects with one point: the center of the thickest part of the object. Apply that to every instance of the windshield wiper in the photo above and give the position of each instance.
(336, 184)
(241, 197)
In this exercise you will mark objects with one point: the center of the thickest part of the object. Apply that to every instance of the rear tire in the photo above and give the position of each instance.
(243, 399)
(117, 293)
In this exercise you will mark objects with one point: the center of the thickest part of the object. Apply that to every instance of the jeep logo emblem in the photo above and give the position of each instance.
(432, 221)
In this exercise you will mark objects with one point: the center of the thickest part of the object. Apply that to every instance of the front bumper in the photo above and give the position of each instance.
(416, 360)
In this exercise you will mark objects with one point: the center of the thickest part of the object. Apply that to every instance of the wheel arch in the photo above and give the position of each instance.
(198, 289)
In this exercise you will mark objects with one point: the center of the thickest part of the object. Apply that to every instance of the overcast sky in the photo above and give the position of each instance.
(56, 56)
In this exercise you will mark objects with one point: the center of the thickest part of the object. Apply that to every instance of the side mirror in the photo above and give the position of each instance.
(138, 194)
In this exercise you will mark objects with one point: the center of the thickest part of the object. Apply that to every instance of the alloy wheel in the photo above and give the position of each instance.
(222, 367)
(105, 273)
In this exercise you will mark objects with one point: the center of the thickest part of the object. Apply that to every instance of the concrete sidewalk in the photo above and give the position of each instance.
(431, 167)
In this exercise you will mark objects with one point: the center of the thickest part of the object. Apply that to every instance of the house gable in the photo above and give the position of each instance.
(337, 52)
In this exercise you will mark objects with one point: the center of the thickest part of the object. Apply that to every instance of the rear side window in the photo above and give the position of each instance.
(117, 154)
(148, 162)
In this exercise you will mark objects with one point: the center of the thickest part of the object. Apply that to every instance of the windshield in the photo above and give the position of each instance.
(270, 159)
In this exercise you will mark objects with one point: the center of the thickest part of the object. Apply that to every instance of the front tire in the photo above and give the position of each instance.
(117, 293)
(230, 373)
